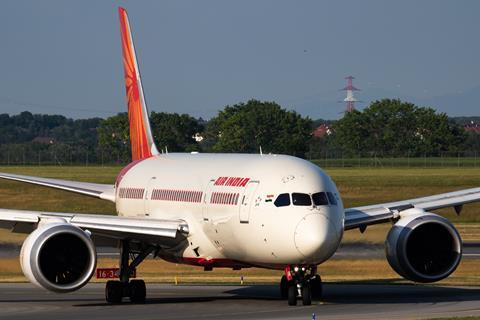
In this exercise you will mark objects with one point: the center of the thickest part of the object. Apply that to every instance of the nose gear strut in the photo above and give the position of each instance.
(300, 282)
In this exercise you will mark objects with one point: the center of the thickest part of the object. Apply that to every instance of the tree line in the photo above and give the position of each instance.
(385, 128)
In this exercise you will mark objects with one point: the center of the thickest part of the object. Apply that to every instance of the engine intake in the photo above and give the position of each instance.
(59, 257)
(424, 247)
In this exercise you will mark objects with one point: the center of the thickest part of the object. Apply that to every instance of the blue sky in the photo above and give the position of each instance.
(198, 56)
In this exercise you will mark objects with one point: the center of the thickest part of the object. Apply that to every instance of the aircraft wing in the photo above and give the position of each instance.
(106, 226)
(101, 191)
(361, 217)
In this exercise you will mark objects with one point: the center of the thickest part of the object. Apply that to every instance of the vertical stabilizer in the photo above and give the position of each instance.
(141, 137)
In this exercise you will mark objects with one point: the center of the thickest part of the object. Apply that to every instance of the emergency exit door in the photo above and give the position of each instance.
(147, 199)
(246, 201)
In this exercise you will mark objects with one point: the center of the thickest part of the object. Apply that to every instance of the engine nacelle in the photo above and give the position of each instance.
(59, 257)
(423, 247)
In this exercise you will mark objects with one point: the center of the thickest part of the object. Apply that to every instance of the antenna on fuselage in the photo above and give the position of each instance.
(261, 152)
(166, 150)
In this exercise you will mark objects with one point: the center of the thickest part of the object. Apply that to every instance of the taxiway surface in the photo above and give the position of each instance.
(341, 301)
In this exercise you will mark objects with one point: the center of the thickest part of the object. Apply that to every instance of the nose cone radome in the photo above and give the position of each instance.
(316, 237)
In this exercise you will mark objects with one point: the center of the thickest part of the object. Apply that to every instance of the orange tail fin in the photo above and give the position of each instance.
(141, 137)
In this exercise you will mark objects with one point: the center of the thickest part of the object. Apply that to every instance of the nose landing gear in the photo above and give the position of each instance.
(300, 282)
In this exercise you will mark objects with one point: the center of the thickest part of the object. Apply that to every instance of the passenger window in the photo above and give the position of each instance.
(282, 200)
(320, 199)
(331, 198)
(301, 199)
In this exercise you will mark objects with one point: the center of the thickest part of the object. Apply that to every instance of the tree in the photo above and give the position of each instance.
(171, 130)
(472, 143)
(393, 127)
(114, 135)
(245, 127)
(175, 131)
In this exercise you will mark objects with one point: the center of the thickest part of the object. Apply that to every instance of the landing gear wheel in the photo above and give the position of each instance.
(137, 291)
(306, 294)
(113, 291)
(292, 294)
(134, 289)
(284, 288)
(316, 285)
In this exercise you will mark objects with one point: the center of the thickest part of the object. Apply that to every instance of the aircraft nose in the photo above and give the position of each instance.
(316, 236)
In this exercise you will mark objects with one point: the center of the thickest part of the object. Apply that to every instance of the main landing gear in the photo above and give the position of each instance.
(115, 290)
(301, 282)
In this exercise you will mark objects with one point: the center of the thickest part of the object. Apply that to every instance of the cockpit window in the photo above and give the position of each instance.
(331, 198)
(301, 199)
(320, 199)
(282, 200)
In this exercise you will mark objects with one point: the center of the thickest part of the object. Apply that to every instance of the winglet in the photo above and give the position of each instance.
(141, 137)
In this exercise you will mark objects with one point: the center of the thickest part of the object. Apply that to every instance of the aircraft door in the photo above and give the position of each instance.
(247, 200)
(147, 199)
(206, 200)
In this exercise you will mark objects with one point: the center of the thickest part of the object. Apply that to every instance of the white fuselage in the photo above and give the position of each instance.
(228, 202)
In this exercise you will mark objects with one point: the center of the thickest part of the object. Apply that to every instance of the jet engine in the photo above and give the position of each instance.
(58, 257)
(423, 247)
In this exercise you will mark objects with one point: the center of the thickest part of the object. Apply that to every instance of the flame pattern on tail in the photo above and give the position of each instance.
(141, 138)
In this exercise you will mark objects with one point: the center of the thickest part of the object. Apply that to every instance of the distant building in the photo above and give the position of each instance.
(472, 127)
(322, 131)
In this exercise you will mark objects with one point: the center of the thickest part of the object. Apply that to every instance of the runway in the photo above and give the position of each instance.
(341, 301)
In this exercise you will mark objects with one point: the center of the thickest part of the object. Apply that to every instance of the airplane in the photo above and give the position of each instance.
(222, 211)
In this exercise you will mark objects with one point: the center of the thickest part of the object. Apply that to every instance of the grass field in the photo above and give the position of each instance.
(358, 186)
(344, 270)
(452, 160)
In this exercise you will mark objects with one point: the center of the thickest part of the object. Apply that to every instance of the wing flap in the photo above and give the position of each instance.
(373, 214)
(101, 191)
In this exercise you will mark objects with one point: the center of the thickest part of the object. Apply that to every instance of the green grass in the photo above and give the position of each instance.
(24, 196)
(386, 162)
(18, 195)
(363, 186)
(457, 318)
(358, 186)
(333, 271)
